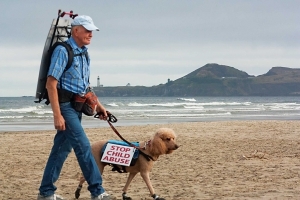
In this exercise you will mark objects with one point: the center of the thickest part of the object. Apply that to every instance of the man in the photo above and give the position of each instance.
(70, 134)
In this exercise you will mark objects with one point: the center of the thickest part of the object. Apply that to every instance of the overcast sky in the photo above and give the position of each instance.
(146, 42)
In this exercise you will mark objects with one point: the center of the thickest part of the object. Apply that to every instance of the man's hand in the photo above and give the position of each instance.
(103, 115)
(100, 109)
(59, 123)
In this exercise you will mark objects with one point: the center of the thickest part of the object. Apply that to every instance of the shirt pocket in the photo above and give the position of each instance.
(75, 71)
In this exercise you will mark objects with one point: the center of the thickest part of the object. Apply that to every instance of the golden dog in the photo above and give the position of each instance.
(163, 142)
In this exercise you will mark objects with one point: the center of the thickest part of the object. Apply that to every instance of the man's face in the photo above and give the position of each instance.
(82, 36)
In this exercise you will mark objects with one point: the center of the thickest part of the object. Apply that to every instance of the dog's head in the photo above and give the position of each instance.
(164, 141)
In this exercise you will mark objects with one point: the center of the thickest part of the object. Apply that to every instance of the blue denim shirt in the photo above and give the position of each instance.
(76, 78)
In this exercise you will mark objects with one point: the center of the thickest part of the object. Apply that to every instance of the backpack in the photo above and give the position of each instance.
(44, 94)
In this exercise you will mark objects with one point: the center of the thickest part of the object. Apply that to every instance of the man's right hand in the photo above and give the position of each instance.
(59, 123)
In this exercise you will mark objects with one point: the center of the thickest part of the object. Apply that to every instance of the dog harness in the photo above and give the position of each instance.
(121, 168)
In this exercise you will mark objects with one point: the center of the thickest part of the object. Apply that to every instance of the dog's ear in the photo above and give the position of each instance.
(158, 146)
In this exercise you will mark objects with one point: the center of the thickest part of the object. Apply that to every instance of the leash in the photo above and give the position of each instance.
(112, 119)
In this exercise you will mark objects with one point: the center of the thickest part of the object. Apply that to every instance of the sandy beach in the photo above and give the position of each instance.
(216, 160)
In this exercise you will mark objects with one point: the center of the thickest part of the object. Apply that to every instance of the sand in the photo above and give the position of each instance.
(216, 160)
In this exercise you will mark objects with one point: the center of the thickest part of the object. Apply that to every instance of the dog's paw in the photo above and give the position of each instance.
(77, 192)
(125, 197)
(156, 197)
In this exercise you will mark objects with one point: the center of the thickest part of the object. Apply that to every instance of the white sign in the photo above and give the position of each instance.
(118, 154)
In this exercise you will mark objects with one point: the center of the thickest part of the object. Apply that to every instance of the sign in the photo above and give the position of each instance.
(118, 154)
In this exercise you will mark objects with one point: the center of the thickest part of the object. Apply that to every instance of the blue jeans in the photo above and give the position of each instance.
(73, 137)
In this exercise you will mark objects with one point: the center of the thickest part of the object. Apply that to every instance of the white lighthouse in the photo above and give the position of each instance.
(98, 81)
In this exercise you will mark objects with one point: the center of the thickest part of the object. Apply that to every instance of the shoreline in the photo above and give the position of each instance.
(216, 160)
(95, 123)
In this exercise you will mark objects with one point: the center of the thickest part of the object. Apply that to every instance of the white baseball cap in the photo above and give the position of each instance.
(85, 21)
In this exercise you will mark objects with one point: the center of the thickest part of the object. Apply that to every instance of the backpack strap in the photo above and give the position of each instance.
(69, 50)
(71, 54)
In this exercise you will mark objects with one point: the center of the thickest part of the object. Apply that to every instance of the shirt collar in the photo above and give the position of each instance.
(73, 44)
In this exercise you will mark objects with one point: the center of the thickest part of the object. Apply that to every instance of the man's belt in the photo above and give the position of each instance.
(64, 95)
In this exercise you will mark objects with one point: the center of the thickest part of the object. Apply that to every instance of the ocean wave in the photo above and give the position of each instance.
(112, 104)
(194, 107)
(192, 115)
(11, 117)
(151, 108)
(185, 99)
(19, 110)
(168, 104)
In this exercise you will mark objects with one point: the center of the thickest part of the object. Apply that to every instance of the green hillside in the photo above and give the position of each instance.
(218, 80)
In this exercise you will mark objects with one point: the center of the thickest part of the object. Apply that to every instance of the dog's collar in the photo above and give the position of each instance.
(148, 157)
(147, 143)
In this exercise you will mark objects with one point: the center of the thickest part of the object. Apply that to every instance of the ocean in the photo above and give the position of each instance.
(22, 113)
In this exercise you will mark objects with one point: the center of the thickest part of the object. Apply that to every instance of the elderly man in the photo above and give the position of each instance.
(67, 121)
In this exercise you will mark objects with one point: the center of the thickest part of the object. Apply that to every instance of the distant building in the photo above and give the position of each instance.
(98, 82)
